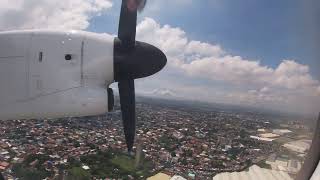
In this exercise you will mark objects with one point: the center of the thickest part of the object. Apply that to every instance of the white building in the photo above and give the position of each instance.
(254, 173)
(261, 138)
(300, 146)
(269, 135)
(281, 131)
(291, 166)
(176, 177)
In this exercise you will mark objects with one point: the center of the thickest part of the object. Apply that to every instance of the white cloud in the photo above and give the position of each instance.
(203, 49)
(229, 78)
(288, 85)
(293, 75)
(232, 69)
(265, 90)
(170, 40)
(66, 14)
(211, 62)
(163, 6)
(163, 92)
(173, 42)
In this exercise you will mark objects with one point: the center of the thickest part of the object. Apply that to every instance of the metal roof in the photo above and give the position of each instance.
(159, 176)
(176, 177)
(254, 173)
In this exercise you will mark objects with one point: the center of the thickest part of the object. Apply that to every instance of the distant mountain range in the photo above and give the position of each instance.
(210, 106)
(168, 97)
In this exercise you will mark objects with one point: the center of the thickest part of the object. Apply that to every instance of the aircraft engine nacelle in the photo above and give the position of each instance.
(48, 74)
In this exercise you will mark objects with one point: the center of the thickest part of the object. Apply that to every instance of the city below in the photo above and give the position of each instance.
(173, 139)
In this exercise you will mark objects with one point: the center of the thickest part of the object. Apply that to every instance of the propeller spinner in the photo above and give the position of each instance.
(132, 60)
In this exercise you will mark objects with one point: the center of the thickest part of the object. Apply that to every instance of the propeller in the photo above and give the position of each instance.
(136, 4)
(132, 60)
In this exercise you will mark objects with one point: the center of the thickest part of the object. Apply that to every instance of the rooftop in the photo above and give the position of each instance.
(255, 172)
(159, 176)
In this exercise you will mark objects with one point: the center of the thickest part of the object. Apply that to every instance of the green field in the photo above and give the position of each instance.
(124, 162)
(115, 164)
(109, 164)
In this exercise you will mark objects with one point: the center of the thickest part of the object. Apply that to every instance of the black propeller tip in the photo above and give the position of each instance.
(127, 102)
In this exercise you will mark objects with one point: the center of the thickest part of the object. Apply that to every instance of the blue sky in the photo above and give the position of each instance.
(268, 31)
(254, 52)
(272, 42)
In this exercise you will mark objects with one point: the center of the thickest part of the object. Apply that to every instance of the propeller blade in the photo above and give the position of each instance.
(127, 25)
(127, 102)
(132, 60)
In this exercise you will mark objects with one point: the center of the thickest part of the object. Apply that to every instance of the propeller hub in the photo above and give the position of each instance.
(135, 62)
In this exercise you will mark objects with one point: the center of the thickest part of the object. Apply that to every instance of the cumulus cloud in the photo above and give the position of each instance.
(174, 42)
(66, 14)
(293, 75)
(233, 69)
(225, 77)
(163, 92)
(254, 83)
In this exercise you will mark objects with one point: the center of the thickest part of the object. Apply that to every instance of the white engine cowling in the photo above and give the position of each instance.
(51, 74)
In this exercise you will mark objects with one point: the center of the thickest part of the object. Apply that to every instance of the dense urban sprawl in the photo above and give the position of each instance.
(172, 139)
